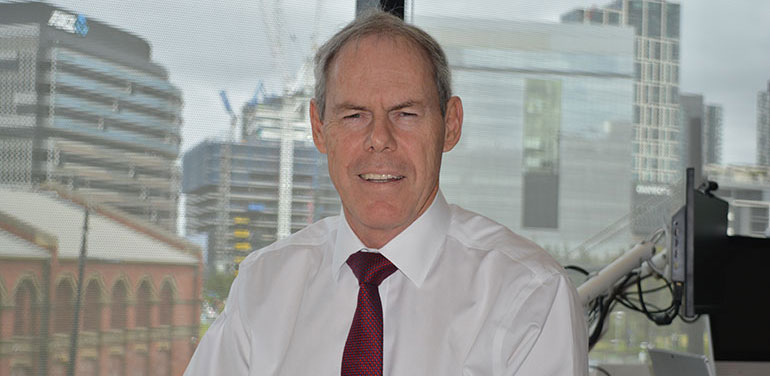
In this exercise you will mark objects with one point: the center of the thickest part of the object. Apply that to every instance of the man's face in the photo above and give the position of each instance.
(384, 134)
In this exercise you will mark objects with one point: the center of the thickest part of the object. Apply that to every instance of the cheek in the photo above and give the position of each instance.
(426, 160)
(432, 150)
(337, 158)
(336, 139)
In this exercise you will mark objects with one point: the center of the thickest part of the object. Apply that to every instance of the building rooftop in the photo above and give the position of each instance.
(740, 175)
(13, 246)
(529, 35)
(40, 12)
(111, 238)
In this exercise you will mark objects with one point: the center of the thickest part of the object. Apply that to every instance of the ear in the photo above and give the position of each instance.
(316, 124)
(453, 123)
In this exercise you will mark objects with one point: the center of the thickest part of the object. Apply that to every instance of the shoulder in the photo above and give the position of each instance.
(282, 269)
(489, 239)
(310, 243)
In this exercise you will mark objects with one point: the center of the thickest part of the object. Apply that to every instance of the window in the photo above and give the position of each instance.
(634, 15)
(92, 307)
(9, 64)
(542, 124)
(556, 138)
(25, 311)
(119, 306)
(166, 305)
(654, 18)
(672, 20)
(143, 297)
(64, 307)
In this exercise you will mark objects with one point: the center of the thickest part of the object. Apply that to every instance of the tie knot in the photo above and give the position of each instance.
(370, 268)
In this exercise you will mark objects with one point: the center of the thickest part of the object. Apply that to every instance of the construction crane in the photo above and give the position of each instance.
(260, 91)
(249, 109)
(286, 164)
(225, 174)
(273, 21)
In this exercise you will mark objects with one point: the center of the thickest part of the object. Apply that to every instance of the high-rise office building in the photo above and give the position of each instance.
(546, 145)
(691, 136)
(763, 127)
(252, 214)
(656, 164)
(700, 141)
(656, 89)
(83, 105)
(712, 134)
(278, 181)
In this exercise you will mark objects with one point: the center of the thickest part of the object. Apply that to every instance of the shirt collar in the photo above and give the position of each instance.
(413, 251)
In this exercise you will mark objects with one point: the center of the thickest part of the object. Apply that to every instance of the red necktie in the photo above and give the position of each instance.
(363, 349)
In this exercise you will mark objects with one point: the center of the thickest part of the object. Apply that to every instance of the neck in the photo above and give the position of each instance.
(376, 238)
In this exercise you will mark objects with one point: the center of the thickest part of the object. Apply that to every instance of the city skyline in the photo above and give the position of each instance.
(656, 126)
(201, 64)
(547, 152)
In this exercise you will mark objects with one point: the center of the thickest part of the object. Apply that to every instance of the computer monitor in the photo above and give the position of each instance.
(726, 277)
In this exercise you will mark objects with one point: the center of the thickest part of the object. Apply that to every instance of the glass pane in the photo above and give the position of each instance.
(672, 20)
(182, 130)
(654, 19)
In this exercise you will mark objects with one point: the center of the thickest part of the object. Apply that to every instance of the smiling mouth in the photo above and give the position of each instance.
(380, 178)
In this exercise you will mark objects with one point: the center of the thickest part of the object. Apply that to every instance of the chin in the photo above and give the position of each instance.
(384, 218)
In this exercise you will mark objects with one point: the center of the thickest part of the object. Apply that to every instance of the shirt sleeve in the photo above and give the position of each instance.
(555, 340)
(224, 349)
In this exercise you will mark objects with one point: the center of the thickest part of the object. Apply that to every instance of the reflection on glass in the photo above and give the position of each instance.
(576, 134)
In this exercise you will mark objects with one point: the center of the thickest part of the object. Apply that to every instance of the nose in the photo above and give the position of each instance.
(380, 137)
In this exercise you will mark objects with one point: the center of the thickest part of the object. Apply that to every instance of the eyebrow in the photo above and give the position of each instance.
(351, 106)
(409, 103)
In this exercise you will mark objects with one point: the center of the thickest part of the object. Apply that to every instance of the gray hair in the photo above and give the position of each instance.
(382, 23)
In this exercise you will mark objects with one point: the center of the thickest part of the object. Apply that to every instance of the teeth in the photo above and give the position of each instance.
(380, 177)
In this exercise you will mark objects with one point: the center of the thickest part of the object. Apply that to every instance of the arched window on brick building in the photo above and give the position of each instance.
(166, 305)
(143, 295)
(119, 306)
(63, 307)
(25, 318)
(92, 307)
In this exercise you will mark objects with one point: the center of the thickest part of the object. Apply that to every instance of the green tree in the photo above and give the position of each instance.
(216, 287)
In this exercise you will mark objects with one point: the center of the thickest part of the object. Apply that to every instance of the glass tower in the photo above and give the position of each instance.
(656, 163)
(546, 144)
(83, 105)
(763, 127)
(712, 128)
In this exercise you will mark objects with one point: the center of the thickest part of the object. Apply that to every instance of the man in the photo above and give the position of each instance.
(454, 294)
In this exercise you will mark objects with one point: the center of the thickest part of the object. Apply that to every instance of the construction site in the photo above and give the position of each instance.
(243, 194)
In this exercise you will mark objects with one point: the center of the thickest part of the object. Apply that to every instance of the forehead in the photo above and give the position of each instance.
(379, 42)
(374, 58)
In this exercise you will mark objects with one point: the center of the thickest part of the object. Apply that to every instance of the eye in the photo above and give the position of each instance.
(405, 117)
(352, 116)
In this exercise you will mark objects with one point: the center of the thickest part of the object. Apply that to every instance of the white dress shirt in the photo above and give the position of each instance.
(469, 298)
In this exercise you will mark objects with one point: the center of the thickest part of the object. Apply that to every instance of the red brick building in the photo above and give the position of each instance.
(140, 300)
